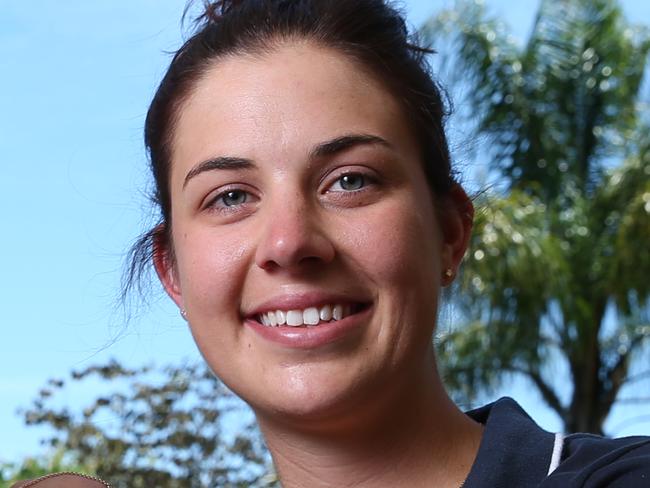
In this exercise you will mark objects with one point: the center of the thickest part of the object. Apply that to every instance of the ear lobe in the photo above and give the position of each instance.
(163, 262)
(457, 221)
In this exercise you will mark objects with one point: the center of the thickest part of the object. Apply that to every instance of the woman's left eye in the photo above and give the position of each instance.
(349, 182)
(233, 197)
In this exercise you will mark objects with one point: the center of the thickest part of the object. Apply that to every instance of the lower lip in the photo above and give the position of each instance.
(311, 336)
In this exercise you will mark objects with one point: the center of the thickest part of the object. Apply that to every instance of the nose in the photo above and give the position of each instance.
(292, 237)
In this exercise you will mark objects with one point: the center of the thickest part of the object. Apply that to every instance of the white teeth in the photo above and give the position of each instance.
(281, 317)
(326, 313)
(309, 316)
(294, 318)
(337, 312)
(272, 318)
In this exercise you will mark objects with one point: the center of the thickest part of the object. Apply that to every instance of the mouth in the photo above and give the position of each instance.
(309, 321)
(311, 316)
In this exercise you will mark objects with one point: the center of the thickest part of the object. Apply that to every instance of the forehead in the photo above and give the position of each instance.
(274, 104)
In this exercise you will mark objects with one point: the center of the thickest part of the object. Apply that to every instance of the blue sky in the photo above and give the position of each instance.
(77, 77)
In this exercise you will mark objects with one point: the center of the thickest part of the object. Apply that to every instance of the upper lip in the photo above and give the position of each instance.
(301, 301)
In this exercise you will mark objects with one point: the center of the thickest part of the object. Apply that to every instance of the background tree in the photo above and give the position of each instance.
(35, 467)
(558, 267)
(174, 427)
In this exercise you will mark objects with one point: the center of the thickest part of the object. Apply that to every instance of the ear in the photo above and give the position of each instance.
(163, 261)
(456, 219)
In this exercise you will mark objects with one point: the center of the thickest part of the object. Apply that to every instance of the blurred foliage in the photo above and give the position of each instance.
(31, 468)
(174, 427)
(566, 241)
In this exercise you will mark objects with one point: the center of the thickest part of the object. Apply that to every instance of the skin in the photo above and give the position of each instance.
(367, 409)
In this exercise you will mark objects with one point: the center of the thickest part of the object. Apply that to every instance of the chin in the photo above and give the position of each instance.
(318, 396)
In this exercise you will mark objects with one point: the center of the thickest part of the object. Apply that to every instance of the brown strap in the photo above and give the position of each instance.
(63, 480)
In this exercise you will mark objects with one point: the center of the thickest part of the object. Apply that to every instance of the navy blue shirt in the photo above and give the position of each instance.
(516, 452)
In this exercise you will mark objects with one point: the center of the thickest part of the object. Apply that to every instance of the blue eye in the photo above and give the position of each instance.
(233, 198)
(351, 182)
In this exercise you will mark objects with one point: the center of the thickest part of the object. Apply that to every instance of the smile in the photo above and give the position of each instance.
(309, 325)
(311, 316)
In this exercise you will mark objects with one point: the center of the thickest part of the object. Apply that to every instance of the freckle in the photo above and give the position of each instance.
(249, 345)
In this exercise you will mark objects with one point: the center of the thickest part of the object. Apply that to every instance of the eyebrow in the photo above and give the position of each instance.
(346, 142)
(221, 162)
(324, 149)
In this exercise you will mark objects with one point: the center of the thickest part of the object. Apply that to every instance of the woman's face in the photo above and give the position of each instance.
(298, 196)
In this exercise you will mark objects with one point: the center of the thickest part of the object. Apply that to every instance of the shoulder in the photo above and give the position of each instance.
(62, 480)
(515, 451)
(591, 461)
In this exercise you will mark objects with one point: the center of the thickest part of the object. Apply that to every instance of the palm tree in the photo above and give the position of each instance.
(557, 271)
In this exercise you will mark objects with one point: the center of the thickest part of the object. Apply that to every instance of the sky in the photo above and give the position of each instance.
(76, 78)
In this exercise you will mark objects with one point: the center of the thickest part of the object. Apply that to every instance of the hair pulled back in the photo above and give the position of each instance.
(370, 32)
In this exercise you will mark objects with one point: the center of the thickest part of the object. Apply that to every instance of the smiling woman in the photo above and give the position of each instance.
(309, 219)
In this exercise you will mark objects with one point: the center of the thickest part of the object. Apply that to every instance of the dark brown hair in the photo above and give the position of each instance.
(371, 32)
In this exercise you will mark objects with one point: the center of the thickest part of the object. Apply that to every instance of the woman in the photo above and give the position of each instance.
(309, 219)
(302, 241)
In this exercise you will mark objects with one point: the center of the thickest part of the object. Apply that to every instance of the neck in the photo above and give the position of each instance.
(418, 437)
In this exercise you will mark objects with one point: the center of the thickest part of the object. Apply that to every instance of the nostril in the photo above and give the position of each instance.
(311, 260)
(268, 265)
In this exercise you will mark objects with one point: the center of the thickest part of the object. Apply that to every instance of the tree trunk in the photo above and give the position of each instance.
(583, 417)
(586, 412)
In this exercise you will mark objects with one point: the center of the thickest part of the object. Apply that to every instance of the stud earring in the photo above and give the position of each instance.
(184, 314)
(448, 276)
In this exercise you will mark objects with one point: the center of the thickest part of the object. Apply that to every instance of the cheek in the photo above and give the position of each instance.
(398, 251)
(397, 243)
(211, 268)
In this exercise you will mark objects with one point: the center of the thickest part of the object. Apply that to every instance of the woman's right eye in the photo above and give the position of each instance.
(230, 200)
